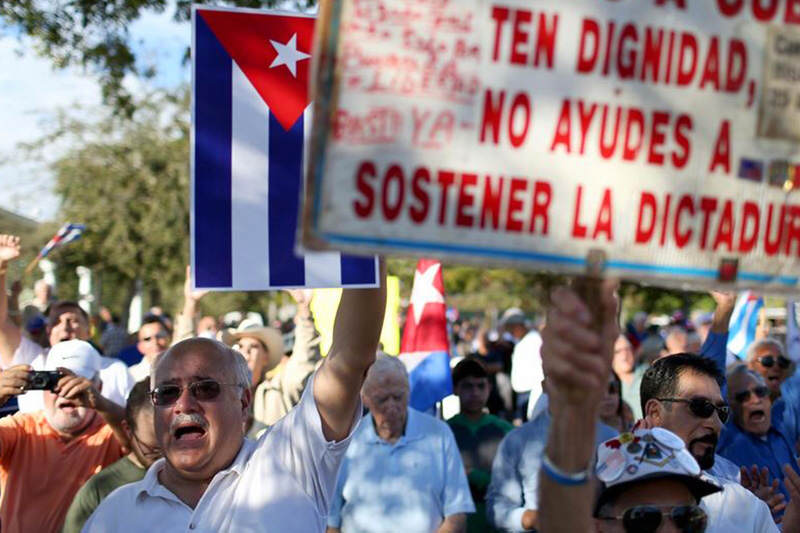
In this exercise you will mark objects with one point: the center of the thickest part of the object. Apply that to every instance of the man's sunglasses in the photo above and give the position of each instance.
(760, 391)
(647, 518)
(768, 361)
(702, 408)
(160, 335)
(204, 390)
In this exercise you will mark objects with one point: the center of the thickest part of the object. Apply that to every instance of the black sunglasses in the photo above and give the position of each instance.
(204, 390)
(760, 391)
(647, 518)
(768, 361)
(702, 408)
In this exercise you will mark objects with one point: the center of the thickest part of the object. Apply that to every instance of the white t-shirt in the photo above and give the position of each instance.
(735, 508)
(283, 482)
(526, 364)
(117, 383)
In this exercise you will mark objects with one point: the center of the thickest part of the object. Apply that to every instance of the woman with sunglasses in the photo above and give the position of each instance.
(750, 438)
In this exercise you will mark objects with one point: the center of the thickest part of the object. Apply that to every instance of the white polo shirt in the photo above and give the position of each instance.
(283, 482)
(735, 508)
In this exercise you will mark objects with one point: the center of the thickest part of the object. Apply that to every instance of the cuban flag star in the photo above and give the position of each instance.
(424, 348)
(251, 116)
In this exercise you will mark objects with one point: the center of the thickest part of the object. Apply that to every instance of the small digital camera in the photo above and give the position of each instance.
(43, 380)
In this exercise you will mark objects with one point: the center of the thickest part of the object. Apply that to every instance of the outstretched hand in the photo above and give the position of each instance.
(9, 249)
(190, 294)
(791, 518)
(757, 481)
(576, 357)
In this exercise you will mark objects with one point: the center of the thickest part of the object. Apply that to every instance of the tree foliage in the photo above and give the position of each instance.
(94, 34)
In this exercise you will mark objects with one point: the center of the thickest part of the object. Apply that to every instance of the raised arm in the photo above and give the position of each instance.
(9, 331)
(577, 361)
(356, 333)
(715, 346)
(306, 350)
(185, 321)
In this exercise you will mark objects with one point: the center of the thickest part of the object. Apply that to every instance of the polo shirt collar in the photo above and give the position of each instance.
(413, 431)
(151, 486)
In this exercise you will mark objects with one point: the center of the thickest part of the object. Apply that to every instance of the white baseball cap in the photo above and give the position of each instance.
(648, 454)
(76, 355)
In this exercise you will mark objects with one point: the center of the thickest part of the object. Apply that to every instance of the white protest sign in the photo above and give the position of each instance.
(662, 132)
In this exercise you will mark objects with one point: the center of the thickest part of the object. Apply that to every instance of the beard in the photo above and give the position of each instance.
(706, 459)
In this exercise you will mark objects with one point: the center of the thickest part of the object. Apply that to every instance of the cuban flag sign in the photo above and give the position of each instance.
(424, 348)
(251, 115)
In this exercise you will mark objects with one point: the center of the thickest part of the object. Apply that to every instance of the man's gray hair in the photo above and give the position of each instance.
(383, 365)
(241, 373)
(770, 342)
(741, 369)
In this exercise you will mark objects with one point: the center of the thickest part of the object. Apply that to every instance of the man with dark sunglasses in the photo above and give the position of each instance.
(750, 438)
(681, 393)
(766, 357)
(213, 479)
(651, 482)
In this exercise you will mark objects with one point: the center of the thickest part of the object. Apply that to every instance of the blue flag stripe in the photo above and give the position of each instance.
(212, 164)
(285, 172)
(357, 270)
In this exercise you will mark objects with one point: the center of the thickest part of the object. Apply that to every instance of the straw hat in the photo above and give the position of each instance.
(269, 337)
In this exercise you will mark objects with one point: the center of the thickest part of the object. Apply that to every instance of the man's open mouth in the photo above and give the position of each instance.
(187, 432)
(757, 415)
(67, 406)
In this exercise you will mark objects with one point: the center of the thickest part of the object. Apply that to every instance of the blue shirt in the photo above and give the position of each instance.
(745, 449)
(786, 409)
(408, 486)
(716, 349)
(515, 471)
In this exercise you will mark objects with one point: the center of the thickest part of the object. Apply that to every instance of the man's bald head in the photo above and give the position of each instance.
(231, 361)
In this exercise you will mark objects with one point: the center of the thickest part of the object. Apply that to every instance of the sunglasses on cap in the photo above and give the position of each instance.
(702, 407)
(204, 390)
(647, 518)
(768, 361)
(760, 391)
(159, 335)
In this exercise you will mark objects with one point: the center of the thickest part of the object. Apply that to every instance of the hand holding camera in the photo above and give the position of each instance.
(13, 382)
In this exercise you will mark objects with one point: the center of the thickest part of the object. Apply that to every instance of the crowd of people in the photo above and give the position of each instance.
(204, 424)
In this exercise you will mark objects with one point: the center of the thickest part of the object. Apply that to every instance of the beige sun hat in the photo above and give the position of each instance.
(270, 337)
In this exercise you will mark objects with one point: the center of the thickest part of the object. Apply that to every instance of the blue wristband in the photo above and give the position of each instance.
(561, 477)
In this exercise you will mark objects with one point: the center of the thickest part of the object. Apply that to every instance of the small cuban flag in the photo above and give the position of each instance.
(424, 348)
(251, 114)
(743, 324)
(66, 234)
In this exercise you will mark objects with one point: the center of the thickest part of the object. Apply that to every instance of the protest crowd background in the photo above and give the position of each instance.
(277, 297)
(470, 460)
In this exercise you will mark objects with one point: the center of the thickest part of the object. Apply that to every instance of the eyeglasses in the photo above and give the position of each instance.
(647, 518)
(702, 408)
(768, 361)
(204, 390)
(760, 391)
(160, 335)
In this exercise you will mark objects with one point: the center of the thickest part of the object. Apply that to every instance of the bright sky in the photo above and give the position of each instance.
(31, 91)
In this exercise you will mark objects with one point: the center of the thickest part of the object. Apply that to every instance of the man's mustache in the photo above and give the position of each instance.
(708, 439)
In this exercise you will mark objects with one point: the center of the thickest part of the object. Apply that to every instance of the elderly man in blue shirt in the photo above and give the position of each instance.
(751, 438)
(403, 471)
(512, 499)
